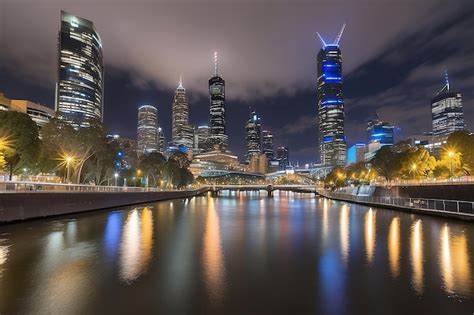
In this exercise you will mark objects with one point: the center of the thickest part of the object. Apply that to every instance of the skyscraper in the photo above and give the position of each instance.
(267, 144)
(218, 138)
(253, 136)
(182, 133)
(446, 111)
(202, 135)
(332, 141)
(161, 140)
(283, 157)
(380, 131)
(147, 130)
(80, 82)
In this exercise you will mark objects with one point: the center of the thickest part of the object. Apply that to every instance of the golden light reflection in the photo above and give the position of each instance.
(136, 246)
(344, 232)
(4, 250)
(454, 263)
(394, 246)
(416, 254)
(370, 225)
(325, 220)
(212, 256)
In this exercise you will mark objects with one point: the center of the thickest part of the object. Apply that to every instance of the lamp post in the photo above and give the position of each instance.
(68, 163)
(413, 170)
(450, 155)
(116, 175)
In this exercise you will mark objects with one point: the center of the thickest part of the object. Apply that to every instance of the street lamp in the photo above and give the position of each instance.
(116, 175)
(450, 155)
(68, 160)
(413, 169)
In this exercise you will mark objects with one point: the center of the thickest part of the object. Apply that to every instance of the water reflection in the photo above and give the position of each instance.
(394, 246)
(370, 225)
(4, 249)
(344, 232)
(416, 256)
(454, 262)
(137, 243)
(212, 253)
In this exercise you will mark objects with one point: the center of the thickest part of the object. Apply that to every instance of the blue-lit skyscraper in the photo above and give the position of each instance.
(332, 141)
(380, 131)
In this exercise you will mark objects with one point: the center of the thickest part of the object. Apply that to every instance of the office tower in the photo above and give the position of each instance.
(380, 131)
(161, 140)
(147, 130)
(202, 135)
(267, 144)
(182, 133)
(355, 153)
(332, 141)
(253, 136)
(218, 138)
(283, 157)
(80, 82)
(446, 111)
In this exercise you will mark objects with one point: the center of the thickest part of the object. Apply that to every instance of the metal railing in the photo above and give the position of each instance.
(12, 187)
(442, 205)
(464, 180)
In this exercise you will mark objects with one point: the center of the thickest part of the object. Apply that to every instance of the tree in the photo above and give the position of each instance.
(151, 165)
(335, 178)
(181, 159)
(416, 162)
(462, 143)
(386, 163)
(20, 144)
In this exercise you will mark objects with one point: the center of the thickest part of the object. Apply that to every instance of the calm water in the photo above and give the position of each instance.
(242, 253)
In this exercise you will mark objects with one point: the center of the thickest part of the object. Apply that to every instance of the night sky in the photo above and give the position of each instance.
(394, 57)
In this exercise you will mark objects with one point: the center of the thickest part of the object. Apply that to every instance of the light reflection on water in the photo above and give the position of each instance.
(209, 253)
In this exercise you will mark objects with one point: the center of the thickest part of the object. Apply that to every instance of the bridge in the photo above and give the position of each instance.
(215, 189)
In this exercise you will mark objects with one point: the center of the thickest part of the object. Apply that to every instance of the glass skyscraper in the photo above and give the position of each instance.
(253, 136)
(218, 138)
(147, 129)
(283, 157)
(80, 83)
(446, 111)
(380, 131)
(268, 146)
(332, 141)
(182, 132)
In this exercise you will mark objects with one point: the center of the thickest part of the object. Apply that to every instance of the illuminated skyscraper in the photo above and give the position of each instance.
(267, 144)
(161, 140)
(283, 157)
(218, 138)
(202, 138)
(380, 131)
(147, 130)
(182, 133)
(253, 136)
(332, 141)
(80, 82)
(446, 111)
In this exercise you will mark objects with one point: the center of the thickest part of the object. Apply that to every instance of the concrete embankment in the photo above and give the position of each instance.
(22, 206)
(447, 191)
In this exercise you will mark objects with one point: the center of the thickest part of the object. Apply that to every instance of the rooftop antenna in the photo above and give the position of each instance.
(446, 78)
(216, 64)
(321, 39)
(180, 86)
(338, 37)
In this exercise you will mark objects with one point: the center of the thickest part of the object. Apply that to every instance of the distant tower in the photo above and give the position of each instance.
(202, 135)
(182, 133)
(161, 140)
(253, 136)
(283, 157)
(147, 130)
(446, 111)
(218, 138)
(80, 81)
(268, 145)
(332, 141)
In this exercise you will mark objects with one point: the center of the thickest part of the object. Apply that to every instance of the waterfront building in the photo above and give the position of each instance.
(80, 81)
(216, 160)
(182, 133)
(161, 140)
(355, 153)
(253, 136)
(283, 157)
(40, 114)
(258, 163)
(268, 146)
(380, 131)
(447, 111)
(147, 129)
(218, 138)
(332, 141)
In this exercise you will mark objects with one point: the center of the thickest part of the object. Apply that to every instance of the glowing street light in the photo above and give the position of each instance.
(413, 169)
(116, 175)
(451, 154)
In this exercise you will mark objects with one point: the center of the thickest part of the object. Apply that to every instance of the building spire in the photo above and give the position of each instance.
(180, 86)
(216, 64)
(446, 78)
(321, 39)
(338, 37)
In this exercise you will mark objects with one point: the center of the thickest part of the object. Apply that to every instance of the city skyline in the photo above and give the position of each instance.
(297, 124)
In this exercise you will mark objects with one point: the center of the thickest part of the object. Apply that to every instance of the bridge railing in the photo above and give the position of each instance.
(463, 180)
(442, 205)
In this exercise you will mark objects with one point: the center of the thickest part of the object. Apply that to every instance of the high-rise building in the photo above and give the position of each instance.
(355, 153)
(147, 130)
(182, 133)
(332, 141)
(80, 82)
(202, 138)
(380, 131)
(218, 138)
(283, 157)
(268, 146)
(161, 140)
(40, 114)
(446, 111)
(253, 136)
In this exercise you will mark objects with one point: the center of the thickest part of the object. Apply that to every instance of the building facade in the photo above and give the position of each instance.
(356, 152)
(268, 146)
(161, 140)
(80, 82)
(283, 157)
(40, 114)
(380, 131)
(218, 138)
(202, 138)
(182, 133)
(447, 112)
(147, 129)
(253, 136)
(332, 141)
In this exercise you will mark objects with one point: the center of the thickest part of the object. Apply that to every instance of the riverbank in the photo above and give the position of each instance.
(413, 205)
(31, 205)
